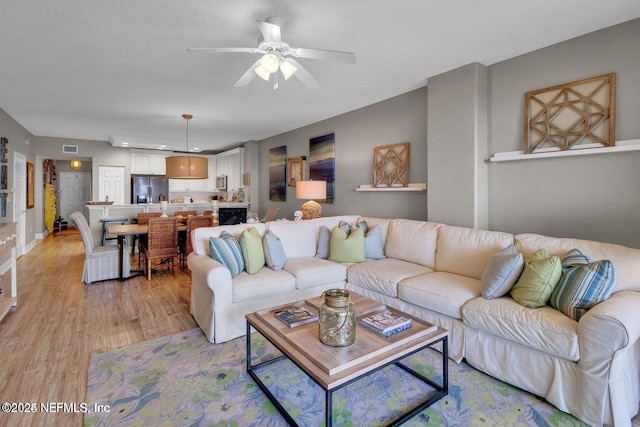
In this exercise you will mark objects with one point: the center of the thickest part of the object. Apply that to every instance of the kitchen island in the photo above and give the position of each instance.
(95, 213)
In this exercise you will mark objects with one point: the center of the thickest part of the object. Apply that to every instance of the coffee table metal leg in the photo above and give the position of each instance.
(328, 417)
(442, 389)
(251, 371)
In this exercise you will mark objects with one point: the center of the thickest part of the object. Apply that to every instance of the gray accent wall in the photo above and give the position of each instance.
(592, 197)
(457, 145)
(357, 133)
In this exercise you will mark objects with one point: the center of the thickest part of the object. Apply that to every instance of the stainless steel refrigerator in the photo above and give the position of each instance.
(148, 188)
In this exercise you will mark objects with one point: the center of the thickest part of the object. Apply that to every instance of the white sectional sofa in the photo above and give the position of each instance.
(589, 368)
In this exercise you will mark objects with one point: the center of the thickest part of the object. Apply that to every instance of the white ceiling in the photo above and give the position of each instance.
(95, 69)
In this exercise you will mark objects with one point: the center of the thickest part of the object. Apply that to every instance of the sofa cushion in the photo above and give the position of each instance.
(467, 251)
(441, 292)
(539, 278)
(626, 260)
(347, 247)
(583, 284)
(311, 271)
(300, 238)
(383, 275)
(502, 273)
(274, 255)
(412, 241)
(252, 252)
(226, 250)
(544, 329)
(265, 284)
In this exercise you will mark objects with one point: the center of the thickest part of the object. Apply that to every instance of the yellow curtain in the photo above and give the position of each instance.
(49, 207)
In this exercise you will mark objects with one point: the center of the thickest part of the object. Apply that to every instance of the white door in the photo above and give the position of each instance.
(111, 183)
(75, 191)
(19, 199)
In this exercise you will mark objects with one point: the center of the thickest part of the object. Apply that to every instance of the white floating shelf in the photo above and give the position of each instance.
(422, 186)
(621, 146)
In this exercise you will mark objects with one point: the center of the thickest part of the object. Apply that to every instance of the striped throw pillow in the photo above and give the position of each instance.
(583, 284)
(226, 250)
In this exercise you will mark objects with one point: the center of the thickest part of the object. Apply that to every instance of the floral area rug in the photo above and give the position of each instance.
(183, 380)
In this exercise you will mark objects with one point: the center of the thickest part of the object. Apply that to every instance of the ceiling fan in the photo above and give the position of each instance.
(277, 54)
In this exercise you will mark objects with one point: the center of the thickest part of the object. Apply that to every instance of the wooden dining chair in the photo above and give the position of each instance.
(271, 214)
(161, 243)
(193, 222)
(185, 213)
(143, 218)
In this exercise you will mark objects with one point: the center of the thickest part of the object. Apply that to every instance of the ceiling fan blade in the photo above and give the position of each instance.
(304, 76)
(270, 32)
(248, 75)
(223, 50)
(331, 55)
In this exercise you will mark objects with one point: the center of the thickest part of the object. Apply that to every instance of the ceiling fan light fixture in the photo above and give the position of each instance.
(262, 73)
(269, 63)
(287, 69)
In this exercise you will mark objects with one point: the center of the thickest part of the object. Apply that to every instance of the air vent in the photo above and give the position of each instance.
(70, 149)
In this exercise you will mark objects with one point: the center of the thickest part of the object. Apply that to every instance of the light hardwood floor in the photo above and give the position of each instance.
(46, 342)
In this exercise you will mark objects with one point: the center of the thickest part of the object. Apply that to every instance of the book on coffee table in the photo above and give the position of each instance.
(386, 321)
(295, 315)
(389, 332)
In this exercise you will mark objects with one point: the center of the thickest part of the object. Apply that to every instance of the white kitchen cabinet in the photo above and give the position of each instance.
(148, 163)
(211, 181)
(188, 185)
(231, 164)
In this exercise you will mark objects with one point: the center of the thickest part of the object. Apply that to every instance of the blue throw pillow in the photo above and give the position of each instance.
(373, 243)
(273, 251)
(324, 241)
(226, 250)
(502, 272)
(583, 284)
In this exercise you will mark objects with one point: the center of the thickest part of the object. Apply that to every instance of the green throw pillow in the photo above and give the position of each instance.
(347, 247)
(540, 276)
(252, 251)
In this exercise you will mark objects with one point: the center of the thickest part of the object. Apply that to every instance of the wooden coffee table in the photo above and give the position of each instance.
(333, 368)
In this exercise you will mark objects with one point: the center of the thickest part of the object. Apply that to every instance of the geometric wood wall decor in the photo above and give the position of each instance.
(572, 114)
(391, 165)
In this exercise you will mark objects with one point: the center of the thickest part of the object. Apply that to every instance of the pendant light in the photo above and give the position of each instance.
(187, 167)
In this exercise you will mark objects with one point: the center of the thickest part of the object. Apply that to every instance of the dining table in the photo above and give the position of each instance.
(121, 231)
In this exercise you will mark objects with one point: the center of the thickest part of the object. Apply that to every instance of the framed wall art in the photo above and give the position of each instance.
(391, 165)
(278, 174)
(295, 170)
(322, 163)
(574, 115)
(30, 186)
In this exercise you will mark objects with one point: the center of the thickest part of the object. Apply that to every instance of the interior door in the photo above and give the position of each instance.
(75, 191)
(111, 183)
(20, 199)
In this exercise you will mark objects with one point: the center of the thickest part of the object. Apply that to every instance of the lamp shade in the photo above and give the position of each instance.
(75, 164)
(311, 190)
(187, 167)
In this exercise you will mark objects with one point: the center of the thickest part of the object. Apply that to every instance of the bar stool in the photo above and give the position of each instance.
(105, 224)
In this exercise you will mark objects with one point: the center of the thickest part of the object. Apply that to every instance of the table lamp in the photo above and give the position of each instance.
(311, 190)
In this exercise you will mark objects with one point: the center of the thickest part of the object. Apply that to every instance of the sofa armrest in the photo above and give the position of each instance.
(206, 271)
(608, 327)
